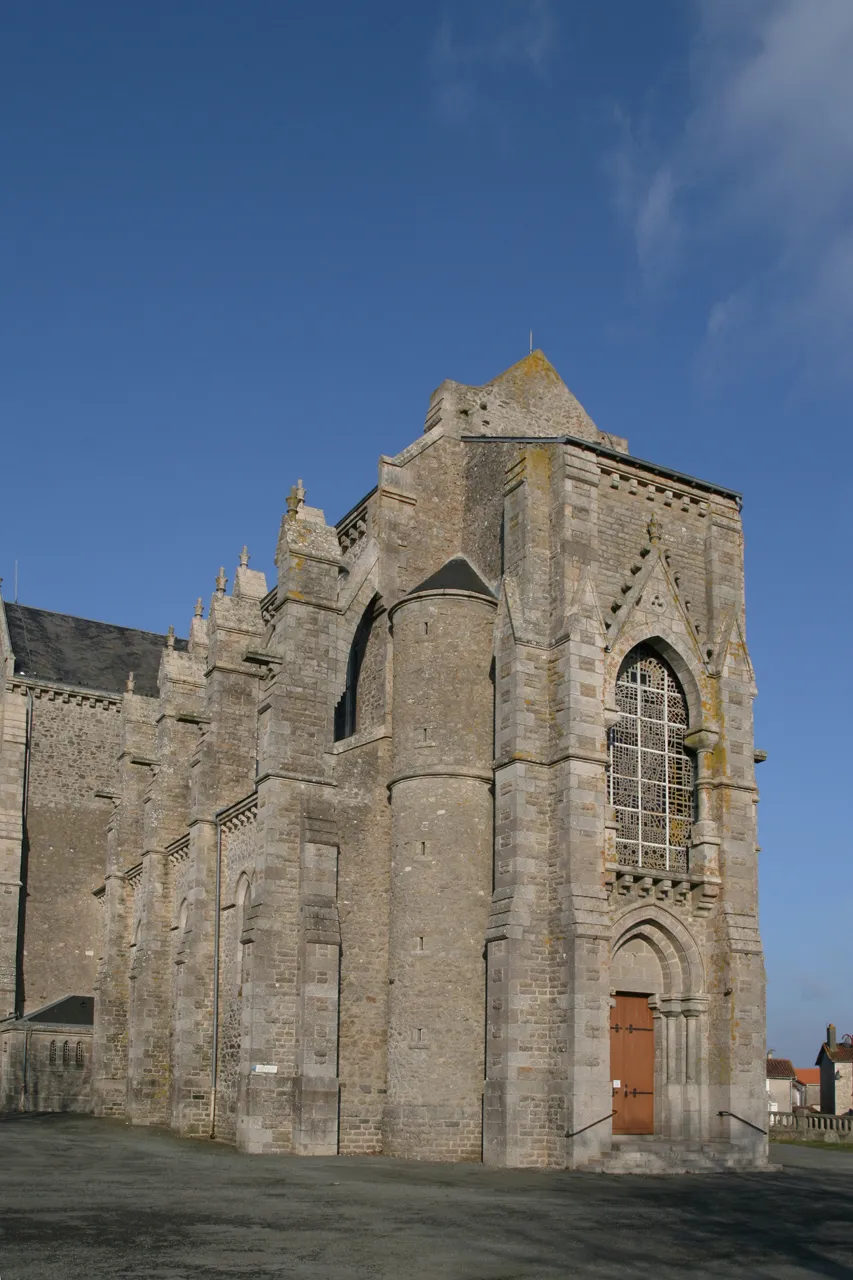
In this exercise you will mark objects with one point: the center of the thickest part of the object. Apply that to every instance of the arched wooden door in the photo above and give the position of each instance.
(632, 1064)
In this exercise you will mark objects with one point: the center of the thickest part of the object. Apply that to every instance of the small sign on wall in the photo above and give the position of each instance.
(265, 1068)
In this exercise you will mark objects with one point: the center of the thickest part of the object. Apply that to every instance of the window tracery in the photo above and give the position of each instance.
(650, 771)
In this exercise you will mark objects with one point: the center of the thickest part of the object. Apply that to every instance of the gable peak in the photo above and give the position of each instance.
(528, 399)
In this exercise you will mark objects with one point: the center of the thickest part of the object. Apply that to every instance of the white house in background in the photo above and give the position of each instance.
(781, 1081)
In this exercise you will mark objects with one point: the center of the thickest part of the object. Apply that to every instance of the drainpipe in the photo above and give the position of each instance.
(214, 1051)
(27, 744)
(25, 1099)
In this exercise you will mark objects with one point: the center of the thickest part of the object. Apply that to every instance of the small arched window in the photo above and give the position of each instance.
(52, 1052)
(651, 773)
(66, 1053)
(78, 1054)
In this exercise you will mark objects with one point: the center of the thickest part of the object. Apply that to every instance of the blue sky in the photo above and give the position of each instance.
(241, 243)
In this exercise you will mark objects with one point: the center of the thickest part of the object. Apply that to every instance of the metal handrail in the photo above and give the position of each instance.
(749, 1122)
(591, 1126)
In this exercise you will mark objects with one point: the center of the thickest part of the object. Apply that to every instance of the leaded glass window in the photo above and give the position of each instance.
(651, 773)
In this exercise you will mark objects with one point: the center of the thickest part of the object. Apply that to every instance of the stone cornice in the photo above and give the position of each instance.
(358, 740)
(623, 462)
(441, 771)
(414, 596)
(245, 809)
(64, 692)
(287, 776)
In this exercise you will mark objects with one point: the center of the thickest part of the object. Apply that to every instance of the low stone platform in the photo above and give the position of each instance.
(653, 1155)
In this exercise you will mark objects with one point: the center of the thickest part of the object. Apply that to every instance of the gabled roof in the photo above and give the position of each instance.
(62, 649)
(808, 1075)
(780, 1069)
(838, 1053)
(457, 574)
(73, 1011)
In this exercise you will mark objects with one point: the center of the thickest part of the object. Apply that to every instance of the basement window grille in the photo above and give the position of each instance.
(651, 772)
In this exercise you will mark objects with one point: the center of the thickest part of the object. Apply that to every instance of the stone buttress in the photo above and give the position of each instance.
(289, 1096)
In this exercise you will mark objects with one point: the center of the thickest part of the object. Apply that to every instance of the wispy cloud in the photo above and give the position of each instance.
(765, 155)
(463, 57)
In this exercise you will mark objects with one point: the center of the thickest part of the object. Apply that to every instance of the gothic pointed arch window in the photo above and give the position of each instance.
(349, 711)
(650, 770)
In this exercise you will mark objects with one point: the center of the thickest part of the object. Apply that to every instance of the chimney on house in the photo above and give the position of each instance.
(830, 1036)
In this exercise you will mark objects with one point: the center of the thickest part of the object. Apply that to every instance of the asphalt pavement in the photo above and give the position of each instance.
(94, 1198)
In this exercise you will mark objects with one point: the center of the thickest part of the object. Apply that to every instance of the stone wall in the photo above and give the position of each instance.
(364, 884)
(73, 772)
(46, 1068)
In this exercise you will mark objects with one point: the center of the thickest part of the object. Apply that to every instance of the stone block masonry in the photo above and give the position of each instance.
(377, 850)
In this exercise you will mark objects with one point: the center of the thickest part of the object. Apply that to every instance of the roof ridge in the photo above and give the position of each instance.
(78, 617)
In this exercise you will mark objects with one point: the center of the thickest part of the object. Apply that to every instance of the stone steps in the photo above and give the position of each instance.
(662, 1156)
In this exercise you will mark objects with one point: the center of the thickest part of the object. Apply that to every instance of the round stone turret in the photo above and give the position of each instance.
(441, 870)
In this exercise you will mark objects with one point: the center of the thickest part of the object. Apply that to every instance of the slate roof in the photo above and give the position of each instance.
(70, 1011)
(457, 574)
(61, 649)
(780, 1069)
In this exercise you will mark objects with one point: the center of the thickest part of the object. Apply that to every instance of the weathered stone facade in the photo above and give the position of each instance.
(46, 1058)
(61, 690)
(376, 870)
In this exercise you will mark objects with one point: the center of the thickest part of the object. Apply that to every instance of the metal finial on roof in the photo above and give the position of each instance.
(170, 637)
(244, 558)
(221, 581)
(199, 608)
(128, 688)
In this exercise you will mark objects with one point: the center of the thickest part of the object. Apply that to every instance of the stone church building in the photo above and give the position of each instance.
(443, 845)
